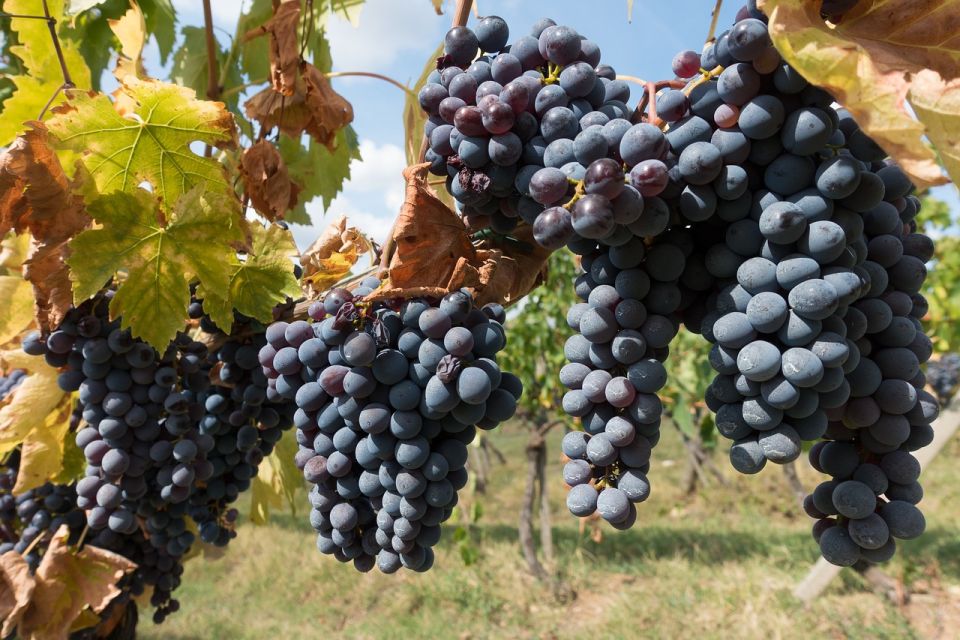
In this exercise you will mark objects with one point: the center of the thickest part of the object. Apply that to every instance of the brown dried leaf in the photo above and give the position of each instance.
(37, 196)
(16, 590)
(429, 239)
(35, 193)
(314, 107)
(511, 272)
(68, 581)
(331, 256)
(266, 181)
(284, 45)
(433, 253)
(46, 269)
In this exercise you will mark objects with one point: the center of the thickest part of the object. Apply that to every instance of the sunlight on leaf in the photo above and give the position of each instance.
(159, 260)
(152, 144)
(258, 283)
(44, 76)
(880, 56)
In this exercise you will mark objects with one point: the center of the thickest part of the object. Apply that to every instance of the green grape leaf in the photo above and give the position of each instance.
(161, 19)
(152, 144)
(254, 54)
(258, 283)
(318, 171)
(159, 260)
(190, 65)
(96, 41)
(43, 75)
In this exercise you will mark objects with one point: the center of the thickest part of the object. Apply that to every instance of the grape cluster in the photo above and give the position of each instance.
(943, 376)
(509, 129)
(815, 306)
(244, 418)
(623, 329)
(871, 497)
(388, 395)
(35, 513)
(144, 452)
(163, 445)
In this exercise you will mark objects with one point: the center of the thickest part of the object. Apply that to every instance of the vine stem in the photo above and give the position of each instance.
(52, 26)
(648, 99)
(633, 79)
(713, 20)
(460, 15)
(368, 74)
(36, 540)
(213, 76)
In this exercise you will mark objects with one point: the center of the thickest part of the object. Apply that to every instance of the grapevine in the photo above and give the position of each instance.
(167, 337)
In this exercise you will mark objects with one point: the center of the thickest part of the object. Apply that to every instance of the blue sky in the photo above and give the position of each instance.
(395, 37)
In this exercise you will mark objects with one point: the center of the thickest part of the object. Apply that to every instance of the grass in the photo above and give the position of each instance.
(720, 564)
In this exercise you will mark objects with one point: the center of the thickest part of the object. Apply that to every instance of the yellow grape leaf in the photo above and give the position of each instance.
(151, 144)
(331, 256)
(131, 31)
(16, 590)
(44, 75)
(13, 251)
(278, 478)
(870, 63)
(68, 581)
(16, 312)
(160, 260)
(258, 283)
(41, 454)
(415, 118)
(937, 104)
(36, 397)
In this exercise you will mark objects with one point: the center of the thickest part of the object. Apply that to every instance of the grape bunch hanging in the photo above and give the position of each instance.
(744, 206)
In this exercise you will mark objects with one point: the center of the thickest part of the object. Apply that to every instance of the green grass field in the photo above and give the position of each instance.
(720, 564)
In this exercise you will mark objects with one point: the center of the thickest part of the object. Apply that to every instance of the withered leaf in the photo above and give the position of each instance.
(266, 180)
(429, 239)
(284, 45)
(432, 253)
(37, 197)
(314, 107)
(16, 590)
(68, 581)
(331, 256)
(35, 193)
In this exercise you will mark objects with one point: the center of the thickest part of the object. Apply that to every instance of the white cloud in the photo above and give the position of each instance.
(388, 28)
(371, 198)
(380, 170)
